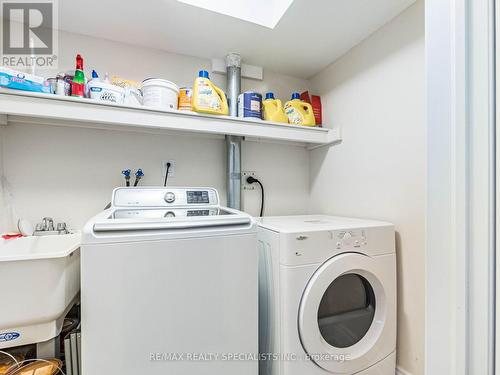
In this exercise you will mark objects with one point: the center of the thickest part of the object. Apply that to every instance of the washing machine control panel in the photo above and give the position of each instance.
(350, 239)
(165, 197)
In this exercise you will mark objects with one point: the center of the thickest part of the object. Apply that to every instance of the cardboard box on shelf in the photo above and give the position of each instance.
(315, 101)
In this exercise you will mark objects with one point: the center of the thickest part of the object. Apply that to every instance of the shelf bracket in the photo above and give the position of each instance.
(334, 138)
(3, 119)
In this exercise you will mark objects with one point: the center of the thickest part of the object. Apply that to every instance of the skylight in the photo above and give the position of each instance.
(261, 12)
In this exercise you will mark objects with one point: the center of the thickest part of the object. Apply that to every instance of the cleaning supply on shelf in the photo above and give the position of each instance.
(186, 99)
(133, 95)
(272, 109)
(160, 93)
(208, 98)
(53, 84)
(63, 85)
(299, 112)
(315, 102)
(78, 82)
(250, 105)
(104, 91)
(63, 88)
(17, 80)
(123, 82)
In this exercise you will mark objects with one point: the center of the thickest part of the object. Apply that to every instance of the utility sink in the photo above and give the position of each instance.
(40, 282)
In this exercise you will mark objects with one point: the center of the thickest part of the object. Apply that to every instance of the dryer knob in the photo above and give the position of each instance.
(169, 197)
(347, 236)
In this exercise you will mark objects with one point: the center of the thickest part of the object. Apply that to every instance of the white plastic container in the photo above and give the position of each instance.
(160, 93)
(105, 92)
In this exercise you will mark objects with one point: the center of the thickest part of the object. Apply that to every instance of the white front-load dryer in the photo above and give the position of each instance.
(327, 296)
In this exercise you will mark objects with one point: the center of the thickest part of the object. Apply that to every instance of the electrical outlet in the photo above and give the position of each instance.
(171, 170)
(246, 185)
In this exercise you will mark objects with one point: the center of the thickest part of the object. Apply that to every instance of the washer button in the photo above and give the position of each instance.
(169, 197)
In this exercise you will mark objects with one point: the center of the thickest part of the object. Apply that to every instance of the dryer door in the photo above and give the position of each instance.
(347, 315)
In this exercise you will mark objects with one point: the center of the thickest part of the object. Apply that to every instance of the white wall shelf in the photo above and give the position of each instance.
(27, 107)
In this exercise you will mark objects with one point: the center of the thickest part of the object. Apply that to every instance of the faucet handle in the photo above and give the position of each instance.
(61, 227)
(47, 223)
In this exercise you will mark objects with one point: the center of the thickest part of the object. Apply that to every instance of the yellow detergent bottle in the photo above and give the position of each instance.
(273, 109)
(208, 98)
(299, 112)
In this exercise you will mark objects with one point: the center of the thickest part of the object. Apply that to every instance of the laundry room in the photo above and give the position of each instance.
(220, 187)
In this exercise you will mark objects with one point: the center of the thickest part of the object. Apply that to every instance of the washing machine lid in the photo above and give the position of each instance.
(178, 218)
(347, 314)
(166, 208)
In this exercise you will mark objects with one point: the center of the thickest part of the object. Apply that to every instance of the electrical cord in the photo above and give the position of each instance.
(252, 180)
(166, 173)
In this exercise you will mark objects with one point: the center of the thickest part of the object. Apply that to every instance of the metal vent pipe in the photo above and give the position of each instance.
(233, 143)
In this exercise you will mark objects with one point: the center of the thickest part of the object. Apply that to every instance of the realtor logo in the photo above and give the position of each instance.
(29, 33)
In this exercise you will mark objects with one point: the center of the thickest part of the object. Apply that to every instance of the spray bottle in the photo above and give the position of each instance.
(78, 83)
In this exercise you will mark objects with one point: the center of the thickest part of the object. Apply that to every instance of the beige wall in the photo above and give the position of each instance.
(376, 94)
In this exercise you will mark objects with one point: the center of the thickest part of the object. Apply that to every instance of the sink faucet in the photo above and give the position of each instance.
(47, 224)
(46, 227)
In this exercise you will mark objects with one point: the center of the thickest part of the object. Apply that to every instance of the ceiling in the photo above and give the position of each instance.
(310, 35)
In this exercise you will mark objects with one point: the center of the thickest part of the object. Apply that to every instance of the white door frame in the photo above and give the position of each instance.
(460, 309)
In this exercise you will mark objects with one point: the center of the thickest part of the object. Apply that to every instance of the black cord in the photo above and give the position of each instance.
(252, 180)
(166, 174)
(262, 199)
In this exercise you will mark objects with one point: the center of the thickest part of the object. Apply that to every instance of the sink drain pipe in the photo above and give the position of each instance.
(233, 143)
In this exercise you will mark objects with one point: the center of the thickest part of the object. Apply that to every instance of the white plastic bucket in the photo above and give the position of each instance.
(160, 93)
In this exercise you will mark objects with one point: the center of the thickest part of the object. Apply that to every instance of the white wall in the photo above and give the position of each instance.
(139, 63)
(69, 173)
(376, 94)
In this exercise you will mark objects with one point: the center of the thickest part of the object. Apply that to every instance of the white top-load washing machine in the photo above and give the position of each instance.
(169, 285)
(327, 296)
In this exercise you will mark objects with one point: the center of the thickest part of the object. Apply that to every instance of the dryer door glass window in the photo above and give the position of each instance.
(346, 310)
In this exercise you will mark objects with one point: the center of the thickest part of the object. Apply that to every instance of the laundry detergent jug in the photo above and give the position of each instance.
(299, 112)
(208, 98)
(273, 109)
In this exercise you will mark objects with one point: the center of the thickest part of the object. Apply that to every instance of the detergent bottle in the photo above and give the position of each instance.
(208, 98)
(299, 112)
(273, 109)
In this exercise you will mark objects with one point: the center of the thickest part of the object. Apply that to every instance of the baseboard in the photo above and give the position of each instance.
(400, 371)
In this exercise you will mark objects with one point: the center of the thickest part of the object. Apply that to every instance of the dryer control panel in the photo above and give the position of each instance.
(350, 239)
